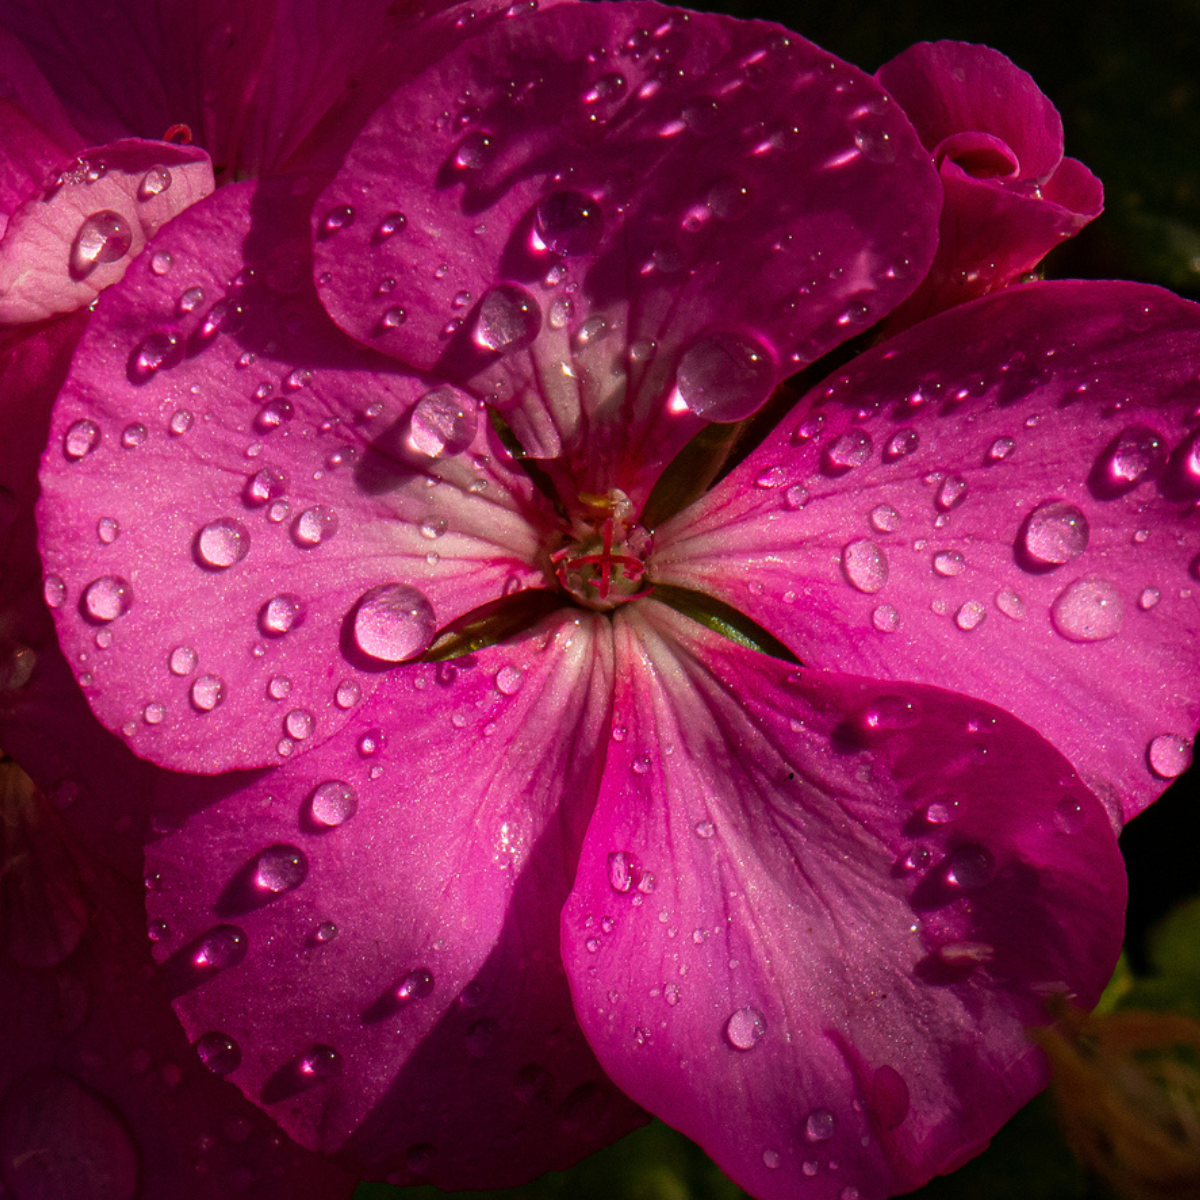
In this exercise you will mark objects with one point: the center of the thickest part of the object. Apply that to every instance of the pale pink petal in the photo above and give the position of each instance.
(1001, 501)
(101, 1096)
(230, 480)
(77, 232)
(815, 914)
(376, 924)
(636, 220)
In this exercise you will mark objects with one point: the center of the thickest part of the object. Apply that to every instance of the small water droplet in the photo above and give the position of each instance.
(393, 622)
(970, 615)
(900, 445)
(725, 376)
(951, 493)
(154, 352)
(181, 421)
(325, 932)
(820, 1125)
(886, 618)
(207, 692)
(54, 591)
(81, 438)
(221, 947)
(864, 565)
(314, 526)
(299, 724)
(222, 543)
(475, 151)
(320, 1062)
(189, 300)
(1148, 598)
(624, 871)
(509, 680)
(263, 486)
(569, 222)
(796, 497)
(348, 694)
(154, 713)
(107, 598)
(971, 867)
(1169, 755)
(218, 1052)
(884, 519)
(103, 237)
(333, 803)
(851, 449)
(508, 319)
(1054, 533)
(392, 224)
(1070, 815)
(771, 1159)
(1000, 449)
(393, 317)
(1010, 604)
(280, 868)
(443, 422)
(337, 219)
(280, 614)
(133, 435)
(890, 714)
(745, 1028)
(641, 764)
(1137, 453)
(1088, 610)
(949, 563)
(160, 263)
(942, 810)
(416, 985)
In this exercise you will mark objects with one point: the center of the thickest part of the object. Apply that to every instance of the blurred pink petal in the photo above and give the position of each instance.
(997, 502)
(376, 924)
(814, 914)
(576, 243)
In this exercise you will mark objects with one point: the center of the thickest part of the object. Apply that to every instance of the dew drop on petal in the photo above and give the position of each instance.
(864, 565)
(1088, 610)
(1054, 533)
(393, 622)
(971, 867)
(1148, 598)
(263, 486)
(280, 868)
(745, 1028)
(820, 1125)
(725, 376)
(273, 414)
(393, 317)
(970, 615)
(442, 422)
(348, 694)
(154, 713)
(108, 529)
(1135, 454)
(1069, 815)
(509, 680)
(949, 563)
(279, 687)
(221, 543)
(337, 219)
(221, 947)
(181, 421)
(951, 493)
(280, 614)
(207, 692)
(189, 300)
(884, 519)
(81, 438)
(623, 871)
(416, 985)
(314, 526)
(161, 263)
(886, 618)
(889, 714)
(1000, 449)
(942, 810)
(103, 237)
(153, 352)
(771, 1159)
(508, 319)
(299, 724)
(319, 1062)
(132, 436)
(847, 451)
(218, 1052)
(107, 598)
(1010, 604)
(1169, 755)
(333, 803)
(325, 931)
(182, 660)
(54, 591)
(901, 444)
(568, 222)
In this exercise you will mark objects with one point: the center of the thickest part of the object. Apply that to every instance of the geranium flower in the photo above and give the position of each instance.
(538, 845)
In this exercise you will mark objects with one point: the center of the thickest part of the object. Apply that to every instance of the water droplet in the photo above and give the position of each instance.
(393, 317)
(864, 565)
(392, 224)
(1010, 604)
(279, 687)
(1088, 610)
(314, 526)
(509, 680)
(796, 497)
(333, 803)
(624, 871)
(509, 319)
(1000, 449)
(889, 714)
(103, 237)
(1137, 453)
(221, 947)
(851, 449)
(325, 932)
(607, 87)
(809, 1168)
(154, 713)
(280, 868)
(272, 415)
(393, 622)
(108, 529)
(771, 1159)
(949, 563)
(886, 618)
(820, 1125)
(970, 615)
(569, 223)
(942, 810)
(218, 1052)
(263, 486)
(951, 493)
(337, 219)
(641, 764)
(475, 151)
(1070, 815)
(348, 694)
(81, 438)
(299, 724)
(745, 1029)
(443, 421)
(884, 519)
(160, 263)
(181, 421)
(154, 352)
(416, 985)
(320, 1062)
(1054, 533)
(107, 598)
(971, 867)
(189, 300)
(725, 376)
(729, 199)
(1169, 755)
(901, 444)
(54, 591)
(207, 692)
(224, 317)
(133, 435)
(221, 543)
(704, 829)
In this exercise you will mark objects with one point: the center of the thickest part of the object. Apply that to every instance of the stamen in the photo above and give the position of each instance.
(181, 135)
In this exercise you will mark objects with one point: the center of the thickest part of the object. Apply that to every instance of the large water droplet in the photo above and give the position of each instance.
(864, 565)
(1054, 533)
(851, 449)
(393, 622)
(1137, 453)
(221, 947)
(81, 438)
(1169, 755)
(745, 1029)
(725, 376)
(314, 526)
(207, 692)
(221, 543)
(569, 223)
(104, 237)
(107, 598)
(280, 868)
(333, 803)
(971, 867)
(443, 421)
(218, 1052)
(1089, 610)
(475, 151)
(509, 318)
(154, 352)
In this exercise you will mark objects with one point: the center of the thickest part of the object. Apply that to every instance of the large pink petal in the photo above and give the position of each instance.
(584, 208)
(76, 233)
(815, 914)
(1001, 501)
(100, 1093)
(998, 142)
(228, 475)
(24, 87)
(375, 925)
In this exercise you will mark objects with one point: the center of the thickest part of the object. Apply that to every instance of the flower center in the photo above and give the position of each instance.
(602, 562)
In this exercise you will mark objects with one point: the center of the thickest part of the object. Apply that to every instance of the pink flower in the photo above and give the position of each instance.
(537, 844)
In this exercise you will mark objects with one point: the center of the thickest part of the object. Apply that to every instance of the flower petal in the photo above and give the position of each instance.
(1010, 195)
(229, 483)
(77, 233)
(814, 915)
(376, 925)
(100, 1093)
(1001, 501)
(577, 243)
